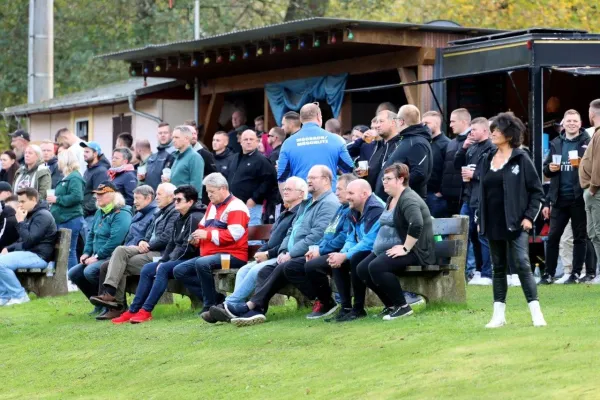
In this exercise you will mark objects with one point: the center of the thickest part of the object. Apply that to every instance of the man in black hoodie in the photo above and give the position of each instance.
(386, 128)
(460, 123)
(565, 202)
(95, 174)
(223, 153)
(413, 150)
(439, 142)
(163, 158)
(34, 249)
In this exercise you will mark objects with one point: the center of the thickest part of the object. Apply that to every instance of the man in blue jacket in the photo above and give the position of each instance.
(366, 208)
(312, 146)
(122, 173)
(163, 158)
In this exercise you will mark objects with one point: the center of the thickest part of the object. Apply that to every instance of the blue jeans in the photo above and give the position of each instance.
(245, 281)
(87, 277)
(10, 287)
(437, 205)
(255, 219)
(481, 247)
(471, 265)
(75, 225)
(153, 283)
(196, 275)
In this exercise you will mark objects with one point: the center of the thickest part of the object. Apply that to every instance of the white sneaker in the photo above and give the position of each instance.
(476, 277)
(498, 318)
(485, 281)
(3, 302)
(515, 280)
(536, 314)
(475, 280)
(596, 280)
(509, 279)
(71, 287)
(562, 279)
(20, 300)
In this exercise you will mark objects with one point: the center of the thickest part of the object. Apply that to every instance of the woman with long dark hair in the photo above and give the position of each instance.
(511, 200)
(10, 165)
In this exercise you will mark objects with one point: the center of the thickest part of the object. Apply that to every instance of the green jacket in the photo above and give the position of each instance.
(188, 169)
(69, 198)
(37, 177)
(107, 232)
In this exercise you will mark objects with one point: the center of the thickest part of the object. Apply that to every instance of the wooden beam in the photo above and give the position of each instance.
(345, 116)
(426, 56)
(411, 92)
(211, 121)
(268, 114)
(412, 38)
(358, 65)
(424, 72)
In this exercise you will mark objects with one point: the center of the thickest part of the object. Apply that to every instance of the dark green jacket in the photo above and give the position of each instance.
(69, 198)
(107, 232)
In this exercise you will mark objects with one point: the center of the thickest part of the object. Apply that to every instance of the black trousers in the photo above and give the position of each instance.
(347, 280)
(559, 218)
(518, 249)
(379, 274)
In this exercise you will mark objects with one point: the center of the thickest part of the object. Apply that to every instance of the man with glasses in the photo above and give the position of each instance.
(307, 230)
(188, 165)
(312, 146)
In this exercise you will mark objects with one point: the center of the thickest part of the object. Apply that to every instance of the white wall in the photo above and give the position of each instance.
(44, 126)
(145, 128)
(101, 131)
(176, 111)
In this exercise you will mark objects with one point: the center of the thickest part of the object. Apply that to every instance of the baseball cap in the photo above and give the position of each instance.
(92, 145)
(106, 187)
(20, 133)
(5, 187)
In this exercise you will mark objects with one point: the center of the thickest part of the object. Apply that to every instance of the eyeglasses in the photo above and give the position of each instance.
(179, 199)
(291, 190)
(386, 179)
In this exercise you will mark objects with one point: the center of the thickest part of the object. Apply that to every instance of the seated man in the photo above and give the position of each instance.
(107, 231)
(139, 250)
(155, 276)
(223, 230)
(366, 210)
(34, 249)
(294, 192)
(307, 230)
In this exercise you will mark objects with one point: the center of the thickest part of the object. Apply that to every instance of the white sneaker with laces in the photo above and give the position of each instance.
(20, 300)
(71, 287)
(515, 280)
(596, 280)
(563, 279)
(509, 279)
(475, 279)
(499, 316)
(536, 314)
(485, 281)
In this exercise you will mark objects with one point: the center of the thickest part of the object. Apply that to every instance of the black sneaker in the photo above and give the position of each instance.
(546, 280)
(414, 299)
(573, 279)
(339, 315)
(221, 314)
(353, 315)
(321, 310)
(97, 310)
(398, 312)
(587, 279)
(207, 317)
(384, 312)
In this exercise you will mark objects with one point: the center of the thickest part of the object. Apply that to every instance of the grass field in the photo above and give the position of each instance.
(50, 349)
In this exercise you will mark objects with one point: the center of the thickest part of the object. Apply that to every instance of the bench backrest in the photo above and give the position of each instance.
(453, 246)
(257, 232)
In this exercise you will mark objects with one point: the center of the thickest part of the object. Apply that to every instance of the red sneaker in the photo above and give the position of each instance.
(141, 316)
(125, 317)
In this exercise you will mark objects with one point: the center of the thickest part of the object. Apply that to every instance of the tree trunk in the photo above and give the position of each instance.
(299, 9)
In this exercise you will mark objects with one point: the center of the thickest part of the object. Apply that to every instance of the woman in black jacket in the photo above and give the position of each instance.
(10, 165)
(510, 200)
(405, 238)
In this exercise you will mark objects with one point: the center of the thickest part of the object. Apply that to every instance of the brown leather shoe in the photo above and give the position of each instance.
(104, 300)
(110, 314)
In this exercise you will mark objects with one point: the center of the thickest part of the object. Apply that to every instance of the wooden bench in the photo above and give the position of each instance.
(52, 280)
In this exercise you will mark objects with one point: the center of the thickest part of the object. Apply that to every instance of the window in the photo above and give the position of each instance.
(82, 129)
(121, 124)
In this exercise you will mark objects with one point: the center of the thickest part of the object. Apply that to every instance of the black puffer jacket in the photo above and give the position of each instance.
(253, 177)
(179, 248)
(161, 228)
(471, 156)
(413, 150)
(8, 226)
(37, 233)
(438, 149)
(223, 162)
(452, 181)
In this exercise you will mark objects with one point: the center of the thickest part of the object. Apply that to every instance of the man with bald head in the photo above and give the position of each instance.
(310, 146)
(365, 210)
(252, 177)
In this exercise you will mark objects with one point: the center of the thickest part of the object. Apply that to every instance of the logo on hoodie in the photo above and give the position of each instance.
(515, 170)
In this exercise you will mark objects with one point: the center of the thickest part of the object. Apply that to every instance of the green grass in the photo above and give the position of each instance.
(51, 349)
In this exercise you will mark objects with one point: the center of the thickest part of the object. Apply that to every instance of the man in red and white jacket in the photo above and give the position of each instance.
(222, 232)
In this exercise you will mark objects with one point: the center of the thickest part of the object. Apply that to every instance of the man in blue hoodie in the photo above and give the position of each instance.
(312, 146)
(365, 210)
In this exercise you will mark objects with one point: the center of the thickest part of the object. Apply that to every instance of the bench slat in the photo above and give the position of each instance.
(448, 226)
(448, 248)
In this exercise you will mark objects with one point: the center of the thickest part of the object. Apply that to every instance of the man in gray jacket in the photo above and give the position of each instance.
(307, 230)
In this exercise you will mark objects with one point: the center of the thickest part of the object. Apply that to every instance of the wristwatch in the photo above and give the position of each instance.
(405, 249)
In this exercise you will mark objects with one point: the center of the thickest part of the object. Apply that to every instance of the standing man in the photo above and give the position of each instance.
(276, 138)
(473, 148)
(439, 142)
(188, 165)
(594, 115)
(312, 146)
(385, 126)
(291, 123)
(51, 161)
(163, 158)
(460, 123)
(414, 150)
(19, 142)
(223, 153)
(65, 138)
(565, 201)
(143, 151)
(95, 174)
(253, 177)
(122, 173)
(238, 121)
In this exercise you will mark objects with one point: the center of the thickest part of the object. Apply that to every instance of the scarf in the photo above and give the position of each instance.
(113, 172)
(108, 208)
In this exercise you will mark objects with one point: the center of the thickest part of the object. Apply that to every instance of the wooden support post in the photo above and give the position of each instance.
(345, 116)
(424, 72)
(268, 114)
(411, 92)
(211, 121)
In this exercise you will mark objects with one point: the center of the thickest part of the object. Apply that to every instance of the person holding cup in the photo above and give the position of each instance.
(564, 201)
(143, 151)
(188, 165)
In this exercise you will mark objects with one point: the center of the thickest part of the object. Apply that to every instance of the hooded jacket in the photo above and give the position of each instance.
(253, 177)
(439, 144)
(9, 233)
(360, 150)
(37, 233)
(336, 232)
(223, 162)
(69, 198)
(102, 160)
(452, 179)
(93, 176)
(140, 223)
(163, 158)
(210, 166)
(107, 232)
(380, 157)
(308, 227)
(523, 192)
(55, 173)
(161, 227)
(471, 156)
(413, 150)
(583, 140)
(279, 231)
(37, 177)
(179, 247)
(125, 179)
(364, 227)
